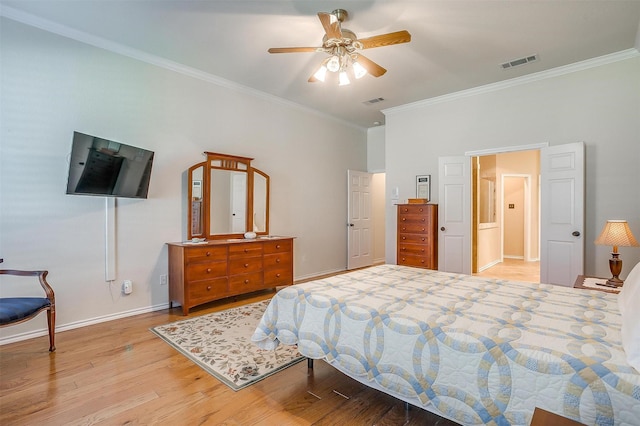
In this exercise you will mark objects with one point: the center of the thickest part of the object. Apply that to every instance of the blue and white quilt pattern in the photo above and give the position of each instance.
(475, 350)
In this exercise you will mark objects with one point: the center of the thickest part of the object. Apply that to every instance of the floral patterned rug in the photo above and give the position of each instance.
(221, 344)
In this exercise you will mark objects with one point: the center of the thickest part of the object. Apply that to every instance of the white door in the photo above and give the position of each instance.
(360, 223)
(454, 214)
(562, 213)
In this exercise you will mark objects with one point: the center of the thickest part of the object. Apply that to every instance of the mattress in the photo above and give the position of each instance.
(474, 350)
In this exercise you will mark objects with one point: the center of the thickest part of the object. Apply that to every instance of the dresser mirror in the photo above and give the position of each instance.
(227, 197)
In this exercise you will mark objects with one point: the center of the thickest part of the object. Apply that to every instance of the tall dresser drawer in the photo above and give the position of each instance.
(414, 238)
(414, 249)
(418, 261)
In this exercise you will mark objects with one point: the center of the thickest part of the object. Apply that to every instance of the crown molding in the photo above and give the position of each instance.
(111, 46)
(518, 81)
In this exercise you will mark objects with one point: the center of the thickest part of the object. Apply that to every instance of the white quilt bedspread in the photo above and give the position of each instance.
(475, 350)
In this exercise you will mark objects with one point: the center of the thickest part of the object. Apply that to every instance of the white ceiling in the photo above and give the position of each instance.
(455, 44)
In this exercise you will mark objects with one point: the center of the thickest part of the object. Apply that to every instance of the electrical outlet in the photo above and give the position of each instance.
(163, 279)
(127, 287)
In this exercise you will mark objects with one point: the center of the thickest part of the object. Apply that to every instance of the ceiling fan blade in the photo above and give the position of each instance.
(371, 67)
(331, 24)
(292, 49)
(389, 39)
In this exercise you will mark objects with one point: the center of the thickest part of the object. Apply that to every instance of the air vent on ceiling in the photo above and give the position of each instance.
(373, 101)
(520, 61)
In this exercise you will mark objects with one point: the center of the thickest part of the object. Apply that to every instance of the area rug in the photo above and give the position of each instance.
(220, 343)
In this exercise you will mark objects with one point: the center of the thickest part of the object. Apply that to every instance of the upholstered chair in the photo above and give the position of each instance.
(14, 310)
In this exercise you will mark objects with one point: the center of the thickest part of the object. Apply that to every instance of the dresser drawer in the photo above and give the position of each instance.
(418, 261)
(413, 209)
(277, 260)
(409, 219)
(278, 276)
(245, 249)
(420, 250)
(279, 246)
(205, 291)
(205, 270)
(413, 238)
(412, 228)
(243, 265)
(204, 253)
(245, 283)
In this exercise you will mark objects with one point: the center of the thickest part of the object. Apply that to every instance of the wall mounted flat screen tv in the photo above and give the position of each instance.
(102, 167)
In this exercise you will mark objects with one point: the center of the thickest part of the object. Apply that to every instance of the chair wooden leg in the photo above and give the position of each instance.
(51, 322)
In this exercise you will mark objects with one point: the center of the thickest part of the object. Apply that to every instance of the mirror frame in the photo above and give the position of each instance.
(225, 162)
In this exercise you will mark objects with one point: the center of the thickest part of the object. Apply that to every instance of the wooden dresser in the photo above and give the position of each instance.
(201, 273)
(418, 235)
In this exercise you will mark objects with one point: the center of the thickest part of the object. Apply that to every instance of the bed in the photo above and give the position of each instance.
(473, 350)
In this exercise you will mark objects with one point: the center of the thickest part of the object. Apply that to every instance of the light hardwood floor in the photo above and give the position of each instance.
(515, 270)
(119, 373)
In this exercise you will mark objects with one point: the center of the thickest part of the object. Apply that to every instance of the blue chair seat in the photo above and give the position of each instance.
(13, 309)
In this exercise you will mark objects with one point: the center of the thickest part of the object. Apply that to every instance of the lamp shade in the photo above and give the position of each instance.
(616, 233)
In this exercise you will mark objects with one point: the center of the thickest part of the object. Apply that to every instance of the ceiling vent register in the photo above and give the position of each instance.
(520, 61)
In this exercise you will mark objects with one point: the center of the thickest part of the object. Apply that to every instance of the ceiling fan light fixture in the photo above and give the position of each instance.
(321, 74)
(358, 70)
(334, 64)
(344, 79)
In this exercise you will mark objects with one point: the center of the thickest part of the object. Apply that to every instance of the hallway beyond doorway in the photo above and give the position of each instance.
(514, 270)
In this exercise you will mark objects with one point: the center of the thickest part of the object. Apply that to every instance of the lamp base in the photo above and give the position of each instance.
(614, 282)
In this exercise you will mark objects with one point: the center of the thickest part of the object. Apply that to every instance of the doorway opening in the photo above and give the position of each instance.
(506, 215)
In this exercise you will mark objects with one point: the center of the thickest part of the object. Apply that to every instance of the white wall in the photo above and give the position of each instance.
(599, 105)
(52, 86)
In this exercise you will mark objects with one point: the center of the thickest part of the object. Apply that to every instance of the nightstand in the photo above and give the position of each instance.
(580, 280)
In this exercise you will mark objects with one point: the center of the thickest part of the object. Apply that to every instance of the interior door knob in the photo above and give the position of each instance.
(576, 233)
(351, 224)
(442, 228)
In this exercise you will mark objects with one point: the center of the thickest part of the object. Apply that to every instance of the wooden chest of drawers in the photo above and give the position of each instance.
(418, 235)
(201, 273)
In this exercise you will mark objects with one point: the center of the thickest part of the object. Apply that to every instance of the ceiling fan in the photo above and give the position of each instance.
(343, 48)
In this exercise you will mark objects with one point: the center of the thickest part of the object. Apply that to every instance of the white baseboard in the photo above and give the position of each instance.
(489, 265)
(84, 323)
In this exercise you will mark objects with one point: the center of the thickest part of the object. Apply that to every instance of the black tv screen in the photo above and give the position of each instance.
(107, 168)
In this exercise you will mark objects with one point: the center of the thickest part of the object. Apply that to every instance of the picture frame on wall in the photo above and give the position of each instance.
(423, 187)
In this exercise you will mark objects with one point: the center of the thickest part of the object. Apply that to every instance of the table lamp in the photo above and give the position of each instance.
(616, 233)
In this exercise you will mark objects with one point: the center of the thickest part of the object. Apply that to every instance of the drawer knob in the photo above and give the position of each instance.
(208, 288)
(208, 253)
(423, 229)
(246, 281)
(404, 218)
(423, 219)
(277, 275)
(421, 209)
(246, 251)
(404, 238)
(278, 260)
(208, 270)
(277, 246)
(423, 238)
(246, 265)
